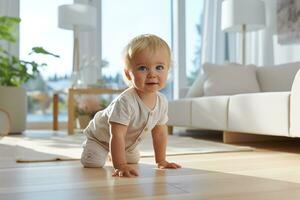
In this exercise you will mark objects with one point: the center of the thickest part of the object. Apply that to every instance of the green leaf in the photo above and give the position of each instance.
(13, 71)
(8, 27)
(41, 50)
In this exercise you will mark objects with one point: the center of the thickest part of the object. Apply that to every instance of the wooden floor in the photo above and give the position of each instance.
(272, 172)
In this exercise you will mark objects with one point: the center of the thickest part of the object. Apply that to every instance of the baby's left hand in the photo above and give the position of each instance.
(165, 164)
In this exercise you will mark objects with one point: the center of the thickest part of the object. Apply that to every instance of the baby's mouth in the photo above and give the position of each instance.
(152, 83)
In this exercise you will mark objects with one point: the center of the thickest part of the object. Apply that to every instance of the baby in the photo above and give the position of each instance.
(138, 111)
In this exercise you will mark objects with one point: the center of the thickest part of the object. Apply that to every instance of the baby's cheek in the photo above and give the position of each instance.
(164, 79)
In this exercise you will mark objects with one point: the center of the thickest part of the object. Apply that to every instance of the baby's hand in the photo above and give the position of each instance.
(165, 164)
(125, 171)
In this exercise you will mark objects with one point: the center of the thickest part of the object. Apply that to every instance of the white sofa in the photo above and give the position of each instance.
(244, 99)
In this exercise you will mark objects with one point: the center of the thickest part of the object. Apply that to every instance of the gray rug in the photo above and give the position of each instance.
(39, 149)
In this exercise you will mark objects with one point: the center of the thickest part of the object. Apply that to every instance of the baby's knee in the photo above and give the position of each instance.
(132, 157)
(91, 160)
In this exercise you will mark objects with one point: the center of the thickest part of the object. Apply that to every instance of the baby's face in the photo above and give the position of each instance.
(149, 71)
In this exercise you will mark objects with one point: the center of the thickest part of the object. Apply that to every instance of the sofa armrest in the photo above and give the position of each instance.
(295, 107)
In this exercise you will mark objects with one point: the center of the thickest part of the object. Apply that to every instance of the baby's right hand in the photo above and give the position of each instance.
(125, 171)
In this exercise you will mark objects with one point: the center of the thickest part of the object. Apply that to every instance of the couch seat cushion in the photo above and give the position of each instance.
(262, 113)
(210, 112)
(179, 112)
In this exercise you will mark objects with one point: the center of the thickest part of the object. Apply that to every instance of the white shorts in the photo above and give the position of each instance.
(94, 155)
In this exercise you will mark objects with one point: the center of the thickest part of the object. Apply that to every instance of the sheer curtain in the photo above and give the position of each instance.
(213, 40)
(259, 44)
(220, 47)
(260, 50)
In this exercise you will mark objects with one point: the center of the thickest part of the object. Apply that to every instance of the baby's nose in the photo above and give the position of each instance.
(151, 73)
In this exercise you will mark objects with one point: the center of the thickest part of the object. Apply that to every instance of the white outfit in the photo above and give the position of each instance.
(127, 109)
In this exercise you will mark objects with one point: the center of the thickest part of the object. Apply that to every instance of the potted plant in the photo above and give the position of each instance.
(14, 73)
(86, 107)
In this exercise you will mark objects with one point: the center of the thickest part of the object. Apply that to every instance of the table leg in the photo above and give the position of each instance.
(71, 112)
(55, 112)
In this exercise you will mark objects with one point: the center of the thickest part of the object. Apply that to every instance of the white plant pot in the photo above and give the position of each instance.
(4, 122)
(14, 101)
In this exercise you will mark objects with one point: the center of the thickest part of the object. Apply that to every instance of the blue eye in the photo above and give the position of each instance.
(159, 67)
(142, 68)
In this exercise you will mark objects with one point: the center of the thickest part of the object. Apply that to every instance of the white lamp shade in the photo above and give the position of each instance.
(81, 16)
(235, 13)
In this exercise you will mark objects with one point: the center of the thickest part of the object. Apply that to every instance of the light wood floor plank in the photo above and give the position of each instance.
(271, 171)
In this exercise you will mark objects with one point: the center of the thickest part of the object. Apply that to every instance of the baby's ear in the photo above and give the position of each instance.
(126, 72)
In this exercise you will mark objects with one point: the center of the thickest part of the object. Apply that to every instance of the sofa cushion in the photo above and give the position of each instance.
(196, 90)
(261, 113)
(277, 78)
(229, 79)
(210, 112)
(179, 112)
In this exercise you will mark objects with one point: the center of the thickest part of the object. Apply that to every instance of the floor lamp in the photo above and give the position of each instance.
(76, 17)
(242, 16)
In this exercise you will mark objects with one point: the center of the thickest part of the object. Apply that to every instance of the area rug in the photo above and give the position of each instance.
(38, 149)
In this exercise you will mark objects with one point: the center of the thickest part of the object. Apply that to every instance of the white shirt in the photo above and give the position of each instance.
(130, 110)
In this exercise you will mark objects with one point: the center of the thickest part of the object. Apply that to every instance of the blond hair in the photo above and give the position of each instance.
(143, 42)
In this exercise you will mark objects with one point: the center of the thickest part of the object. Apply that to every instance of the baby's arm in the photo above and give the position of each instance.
(117, 149)
(160, 137)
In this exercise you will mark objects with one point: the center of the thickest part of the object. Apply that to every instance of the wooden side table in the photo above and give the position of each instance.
(55, 112)
(71, 101)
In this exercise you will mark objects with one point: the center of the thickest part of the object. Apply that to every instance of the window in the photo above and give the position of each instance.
(121, 21)
(194, 18)
(39, 27)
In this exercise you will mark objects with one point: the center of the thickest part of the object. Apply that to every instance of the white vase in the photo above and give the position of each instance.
(14, 101)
